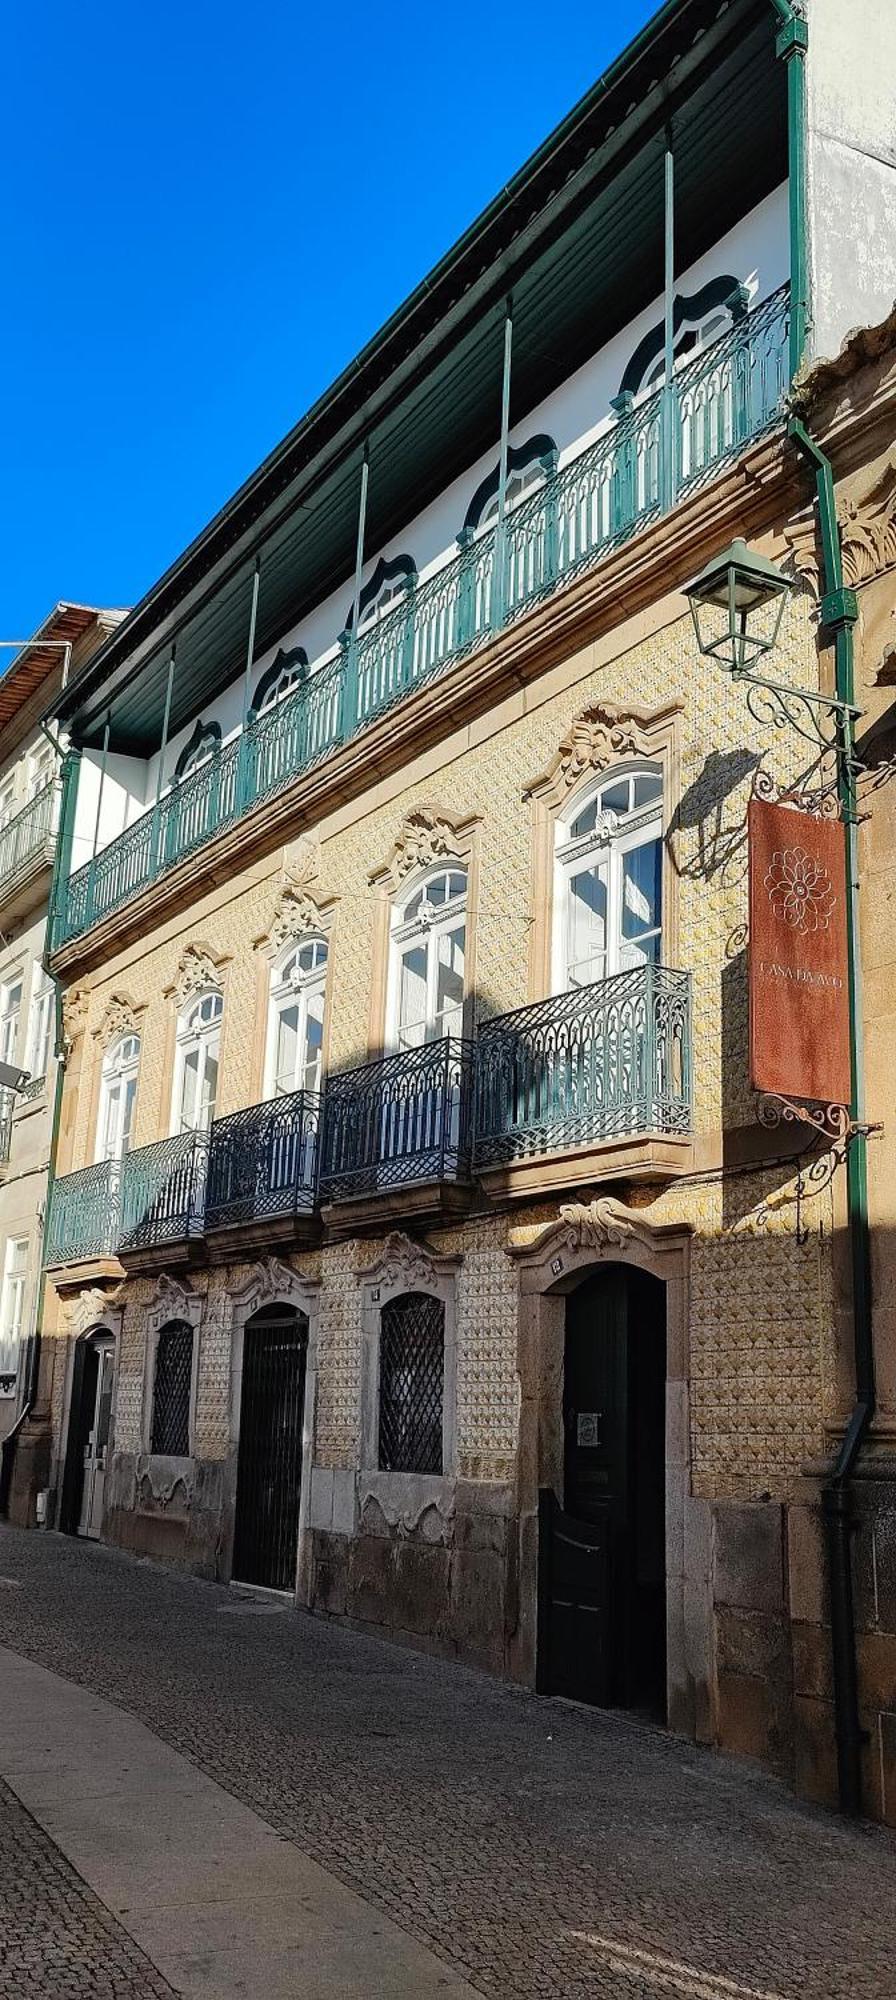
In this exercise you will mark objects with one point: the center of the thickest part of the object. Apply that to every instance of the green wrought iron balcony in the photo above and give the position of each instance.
(162, 1194)
(399, 1123)
(658, 451)
(83, 1221)
(605, 1062)
(263, 1162)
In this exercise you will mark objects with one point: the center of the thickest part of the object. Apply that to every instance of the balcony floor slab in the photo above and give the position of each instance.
(644, 1157)
(388, 1208)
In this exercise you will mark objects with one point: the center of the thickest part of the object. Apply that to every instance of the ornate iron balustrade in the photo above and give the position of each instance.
(602, 1062)
(84, 1214)
(263, 1161)
(398, 1122)
(665, 446)
(32, 829)
(163, 1192)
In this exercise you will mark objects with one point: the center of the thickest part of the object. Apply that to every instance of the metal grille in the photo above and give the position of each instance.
(412, 1384)
(263, 1161)
(170, 1435)
(400, 1121)
(269, 1467)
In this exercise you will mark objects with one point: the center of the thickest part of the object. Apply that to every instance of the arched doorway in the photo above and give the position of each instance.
(89, 1429)
(269, 1455)
(602, 1594)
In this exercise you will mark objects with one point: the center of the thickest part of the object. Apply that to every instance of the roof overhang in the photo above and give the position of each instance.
(577, 237)
(24, 672)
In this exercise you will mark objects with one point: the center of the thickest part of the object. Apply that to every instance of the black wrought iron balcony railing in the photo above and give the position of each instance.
(163, 1193)
(399, 1122)
(662, 448)
(83, 1220)
(29, 834)
(263, 1161)
(602, 1062)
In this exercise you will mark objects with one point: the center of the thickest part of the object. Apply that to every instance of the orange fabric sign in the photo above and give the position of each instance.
(799, 996)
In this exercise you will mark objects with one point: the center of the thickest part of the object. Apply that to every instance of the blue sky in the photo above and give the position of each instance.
(209, 210)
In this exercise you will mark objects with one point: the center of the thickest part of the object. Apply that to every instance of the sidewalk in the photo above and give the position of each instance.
(219, 1904)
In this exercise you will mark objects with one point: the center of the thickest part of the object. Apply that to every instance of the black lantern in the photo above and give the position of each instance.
(737, 603)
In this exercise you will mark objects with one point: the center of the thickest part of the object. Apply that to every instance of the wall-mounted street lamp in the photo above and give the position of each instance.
(737, 603)
(12, 1078)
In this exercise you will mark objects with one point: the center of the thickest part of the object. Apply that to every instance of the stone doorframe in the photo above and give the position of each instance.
(272, 1283)
(584, 1237)
(87, 1311)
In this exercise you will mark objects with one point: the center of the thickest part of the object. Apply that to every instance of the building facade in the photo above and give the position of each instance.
(29, 815)
(417, 1245)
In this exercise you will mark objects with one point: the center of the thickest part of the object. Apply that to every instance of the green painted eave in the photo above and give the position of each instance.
(577, 236)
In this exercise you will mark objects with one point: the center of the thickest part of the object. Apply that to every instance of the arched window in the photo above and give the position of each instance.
(204, 744)
(608, 890)
(172, 1391)
(118, 1090)
(528, 466)
(196, 1063)
(389, 583)
(696, 323)
(281, 679)
(428, 947)
(412, 1384)
(296, 1019)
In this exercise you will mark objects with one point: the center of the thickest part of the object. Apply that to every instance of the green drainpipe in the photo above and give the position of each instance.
(791, 44)
(839, 611)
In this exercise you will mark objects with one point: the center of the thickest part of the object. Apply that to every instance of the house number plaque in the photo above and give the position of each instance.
(588, 1427)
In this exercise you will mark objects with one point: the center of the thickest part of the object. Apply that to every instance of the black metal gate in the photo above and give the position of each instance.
(269, 1461)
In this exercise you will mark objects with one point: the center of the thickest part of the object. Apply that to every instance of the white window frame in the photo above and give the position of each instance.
(121, 1067)
(199, 1035)
(288, 680)
(295, 986)
(391, 592)
(40, 1022)
(522, 481)
(41, 769)
(614, 836)
(11, 1017)
(12, 1307)
(8, 798)
(425, 929)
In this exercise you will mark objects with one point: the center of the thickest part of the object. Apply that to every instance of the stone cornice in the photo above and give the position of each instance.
(752, 495)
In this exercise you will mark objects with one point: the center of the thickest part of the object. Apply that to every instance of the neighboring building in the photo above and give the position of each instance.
(409, 1181)
(30, 682)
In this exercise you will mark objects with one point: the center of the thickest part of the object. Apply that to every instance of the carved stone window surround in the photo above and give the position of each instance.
(407, 1502)
(173, 1301)
(602, 737)
(428, 835)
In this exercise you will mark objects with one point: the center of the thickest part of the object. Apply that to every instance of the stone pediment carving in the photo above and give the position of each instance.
(426, 836)
(198, 970)
(299, 909)
(75, 1009)
(93, 1307)
(121, 1016)
(598, 737)
(269, 1280)
(406, 1263)
(867, 533)
(172, 1299)
(596, 1225)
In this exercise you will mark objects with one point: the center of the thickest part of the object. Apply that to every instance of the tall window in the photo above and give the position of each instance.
(296, 1022)
(40, 1024)
(697, 322)
(10, 1009)
(118, 1090)
(608, 897)
(171, 1391)
(427, 966)
(412, 1384)
(7, 798)
(281, 679)
(41, 769)
(204, 744)
(196, 1064)
(12, 1310)
(527, 469)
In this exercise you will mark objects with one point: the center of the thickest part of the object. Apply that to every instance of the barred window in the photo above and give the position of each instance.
(412, 1382)
(170, 1433)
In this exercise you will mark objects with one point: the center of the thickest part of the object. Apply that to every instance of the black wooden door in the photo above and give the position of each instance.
(602, 1567)
(85, 1367)
(269, 1460)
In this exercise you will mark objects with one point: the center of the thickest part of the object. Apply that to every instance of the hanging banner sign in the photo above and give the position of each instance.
(799, 994)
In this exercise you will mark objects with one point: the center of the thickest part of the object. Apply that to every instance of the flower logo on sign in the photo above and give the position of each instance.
(800, 890)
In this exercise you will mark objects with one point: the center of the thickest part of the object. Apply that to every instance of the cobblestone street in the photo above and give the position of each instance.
(534, 1847)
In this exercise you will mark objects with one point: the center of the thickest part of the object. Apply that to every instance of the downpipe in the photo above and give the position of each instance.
(839, 612)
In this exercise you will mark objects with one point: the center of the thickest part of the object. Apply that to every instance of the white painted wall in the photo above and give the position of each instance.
(755, 253)
(851, 167)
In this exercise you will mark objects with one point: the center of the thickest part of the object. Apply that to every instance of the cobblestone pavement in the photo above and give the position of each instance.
(56, 1939)
(539, 1848)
